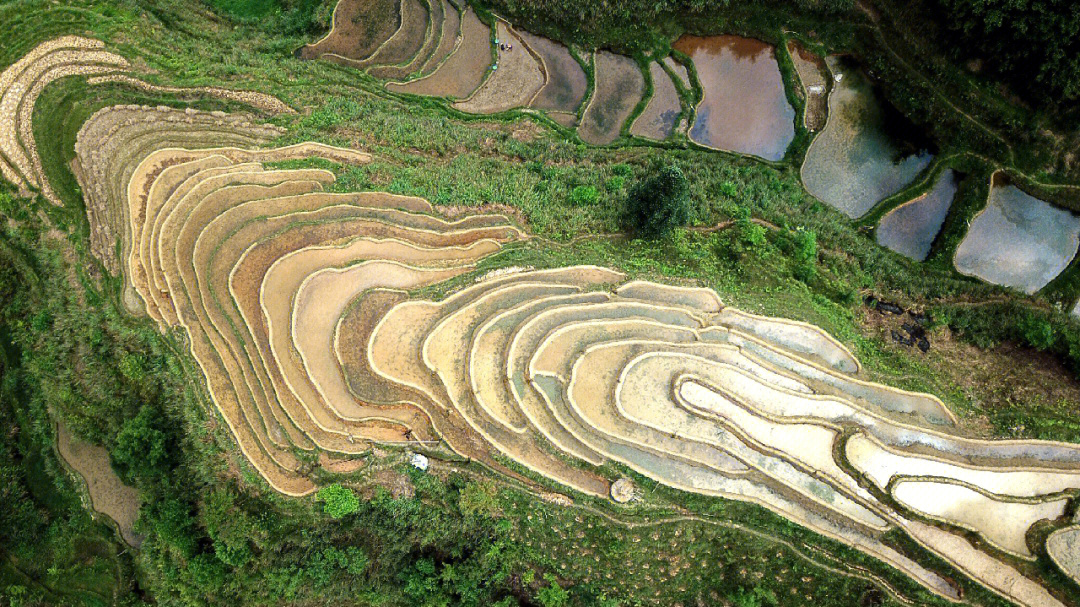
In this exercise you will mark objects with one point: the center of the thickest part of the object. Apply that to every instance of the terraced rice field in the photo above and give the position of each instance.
(853, 163)
(566, 84)
(1018, 240)
(359, 28)
(1063, 546)
(434, 48)
(619, 87)
(299, 307)
(910, 229)
(517, 78)
(22, 83)
(296, 306)
(463, 70)
(745, 108)
(661, 115)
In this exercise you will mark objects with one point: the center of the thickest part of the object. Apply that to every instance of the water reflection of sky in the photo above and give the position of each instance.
(745, 108)
(910, 229)
(1018, 241)
(853, 164)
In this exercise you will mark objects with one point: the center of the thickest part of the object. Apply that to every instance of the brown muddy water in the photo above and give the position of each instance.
(108, 495)
(619, 87)
(744, 109)
(566, 83)
(1018, 240)
(661, 115)
(910, 229)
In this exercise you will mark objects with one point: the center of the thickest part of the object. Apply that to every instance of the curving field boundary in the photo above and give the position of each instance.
(295, 304)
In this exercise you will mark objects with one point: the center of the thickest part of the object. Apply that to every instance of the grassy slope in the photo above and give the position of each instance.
(466, 529)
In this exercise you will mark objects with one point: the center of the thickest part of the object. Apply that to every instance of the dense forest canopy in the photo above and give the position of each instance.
(1035, 44)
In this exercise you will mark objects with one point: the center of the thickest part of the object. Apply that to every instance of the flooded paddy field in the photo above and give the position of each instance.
(619, 87)
(745, 108)
(661, 116)
(679, 70)
(566, 82)
(858, 159)
(1018, 240)
(910, 229)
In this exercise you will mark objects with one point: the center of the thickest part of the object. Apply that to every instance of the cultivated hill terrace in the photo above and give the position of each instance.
(309, 313)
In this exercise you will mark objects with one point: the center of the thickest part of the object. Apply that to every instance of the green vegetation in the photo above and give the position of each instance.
(287, 17)
(216, 536)
(338, 501)
(1019, 41)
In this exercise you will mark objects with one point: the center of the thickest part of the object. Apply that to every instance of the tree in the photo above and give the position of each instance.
(552, 595)
(659, 204)
(142, 449)
(1030, 40)
(1037, 331)
(338, 501)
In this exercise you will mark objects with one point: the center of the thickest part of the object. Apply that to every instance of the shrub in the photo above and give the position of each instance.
(750, 234)
(583, 195)
(659, 204)
(804, 253)
(142, 449)
(806, 247)
(553, 594)
(1037, 332)
(338, 501)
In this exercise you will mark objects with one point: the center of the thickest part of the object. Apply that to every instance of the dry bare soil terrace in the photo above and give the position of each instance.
(299, 307)
(296, 307)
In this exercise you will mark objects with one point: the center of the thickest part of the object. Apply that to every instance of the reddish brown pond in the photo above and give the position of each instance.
(745, 108)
